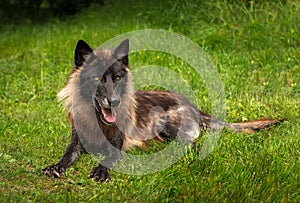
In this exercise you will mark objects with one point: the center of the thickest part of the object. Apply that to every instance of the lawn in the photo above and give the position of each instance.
(254, 46)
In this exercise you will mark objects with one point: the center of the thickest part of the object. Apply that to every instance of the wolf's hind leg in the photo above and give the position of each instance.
(169, 132)
(72, 153)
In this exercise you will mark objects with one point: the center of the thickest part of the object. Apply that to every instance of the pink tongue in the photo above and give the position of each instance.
(109, 115)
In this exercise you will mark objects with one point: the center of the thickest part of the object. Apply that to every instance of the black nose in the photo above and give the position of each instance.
(115, 102)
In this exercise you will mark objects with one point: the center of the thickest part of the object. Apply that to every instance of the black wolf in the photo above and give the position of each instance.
(107, 115)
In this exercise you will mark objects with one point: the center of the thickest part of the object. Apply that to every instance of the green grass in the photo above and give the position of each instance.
(256, 49)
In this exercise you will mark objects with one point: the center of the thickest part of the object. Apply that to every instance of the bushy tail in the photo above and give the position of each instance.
(252, 126)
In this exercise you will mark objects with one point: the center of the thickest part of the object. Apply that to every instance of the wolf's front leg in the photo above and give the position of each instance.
(72, 153)
(112, 152)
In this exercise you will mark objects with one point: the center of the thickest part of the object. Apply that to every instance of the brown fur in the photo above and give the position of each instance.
(140, 116)
(137, 107)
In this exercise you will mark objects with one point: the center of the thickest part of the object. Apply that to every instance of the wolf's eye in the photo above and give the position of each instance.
(117, 78)
(96, 78)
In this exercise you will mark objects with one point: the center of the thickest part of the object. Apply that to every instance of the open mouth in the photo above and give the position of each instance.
(107, 115)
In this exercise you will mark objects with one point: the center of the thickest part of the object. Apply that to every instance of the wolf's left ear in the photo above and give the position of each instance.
(81, 51)
(121, 52)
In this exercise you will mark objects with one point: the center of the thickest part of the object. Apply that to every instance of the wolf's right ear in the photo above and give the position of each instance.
(81, 51)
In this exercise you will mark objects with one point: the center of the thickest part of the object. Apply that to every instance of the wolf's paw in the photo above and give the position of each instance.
(54, 171)
(100, 173)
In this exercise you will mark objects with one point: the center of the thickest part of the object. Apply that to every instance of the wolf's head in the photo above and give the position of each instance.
(104, 78)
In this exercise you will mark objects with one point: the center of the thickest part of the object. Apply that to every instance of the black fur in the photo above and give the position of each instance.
(107, 116)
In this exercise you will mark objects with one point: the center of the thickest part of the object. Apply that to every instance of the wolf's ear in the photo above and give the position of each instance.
(121, 52)
(81, 51)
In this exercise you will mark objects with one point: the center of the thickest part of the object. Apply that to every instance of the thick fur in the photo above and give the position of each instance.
(107, 115)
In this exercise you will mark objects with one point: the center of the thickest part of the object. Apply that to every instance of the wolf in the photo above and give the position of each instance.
(108, 116)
